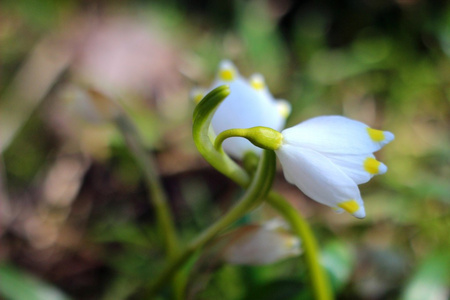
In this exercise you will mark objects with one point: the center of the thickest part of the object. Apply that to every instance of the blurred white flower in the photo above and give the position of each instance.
(249, 104)
(259, 245)
(327, 157)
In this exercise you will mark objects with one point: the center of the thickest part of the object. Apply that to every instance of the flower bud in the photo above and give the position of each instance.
(259, 245)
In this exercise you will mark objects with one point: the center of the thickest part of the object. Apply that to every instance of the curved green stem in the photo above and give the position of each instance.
(235, 132)
(204, 137)
(158, 198)
(262, 137)
(319, 280)
(258, 189)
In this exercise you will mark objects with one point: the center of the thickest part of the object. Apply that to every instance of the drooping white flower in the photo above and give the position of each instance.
(259, 245)
(327, 157)
(249, 104)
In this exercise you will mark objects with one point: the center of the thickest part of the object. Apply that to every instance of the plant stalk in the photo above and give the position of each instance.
(257, 191)
(319, 280)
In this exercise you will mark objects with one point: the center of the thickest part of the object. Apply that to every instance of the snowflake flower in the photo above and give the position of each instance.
(327, 157)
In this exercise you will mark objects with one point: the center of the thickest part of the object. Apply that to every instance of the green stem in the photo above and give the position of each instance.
(320, 282)
(157, 196)
(165, 224)
(262, 137)
(203, 136)
(235, 132)
(258, 189)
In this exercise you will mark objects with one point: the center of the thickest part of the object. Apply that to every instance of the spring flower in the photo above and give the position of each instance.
(259, 245)
(327, 157)
(249, 104)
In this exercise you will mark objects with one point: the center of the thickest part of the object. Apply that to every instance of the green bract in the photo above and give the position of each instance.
(203, 136)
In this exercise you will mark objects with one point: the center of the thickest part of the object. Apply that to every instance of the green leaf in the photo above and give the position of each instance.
(16, 284)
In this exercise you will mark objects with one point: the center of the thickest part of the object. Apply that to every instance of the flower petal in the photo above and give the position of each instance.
(258, 245)
(336, 134)
(284, 108)
(360, 168)
(197, 94)
(227, 71)
(320, 179)
(245, 107)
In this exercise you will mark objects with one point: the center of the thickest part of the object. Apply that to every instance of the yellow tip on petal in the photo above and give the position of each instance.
(372, 166)
(198, 98)
(257, 82)
(350, 206)
(284, 108)
(227, 74)
(376, 135)
(292, 242)
(197, 95)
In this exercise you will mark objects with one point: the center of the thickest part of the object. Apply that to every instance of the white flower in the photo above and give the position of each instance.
(327, 157)
(259, 245)
(249, 104)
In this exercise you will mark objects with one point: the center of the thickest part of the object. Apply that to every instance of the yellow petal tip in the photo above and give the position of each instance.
(284, 108)
(351, 206)
(376, 135)
(197, 95)
(257, 82)
(227, 75)
(372, 166)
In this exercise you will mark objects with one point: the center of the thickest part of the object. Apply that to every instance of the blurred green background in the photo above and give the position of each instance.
(75, 222)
